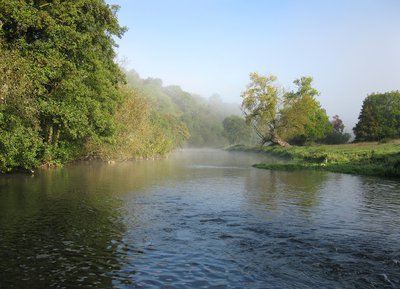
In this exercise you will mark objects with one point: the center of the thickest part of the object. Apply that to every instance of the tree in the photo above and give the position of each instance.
(278, 116)
(302, 118)
(202, 117)
(236, 130)
(379, 117)
(261, 107)
(20, 142)
(68, 47)
(337, 135)
(141, 131)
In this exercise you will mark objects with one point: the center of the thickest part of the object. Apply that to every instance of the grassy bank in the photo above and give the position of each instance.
(372, 158)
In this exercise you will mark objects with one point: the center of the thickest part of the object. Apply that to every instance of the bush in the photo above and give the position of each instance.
(19, 146)
(337, 138)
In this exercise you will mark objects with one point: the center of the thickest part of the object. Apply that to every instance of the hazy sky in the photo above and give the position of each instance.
(351, 48)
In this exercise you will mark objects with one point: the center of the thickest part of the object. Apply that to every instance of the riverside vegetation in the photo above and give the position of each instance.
(366, 158)
(63, 97)
(284, 119)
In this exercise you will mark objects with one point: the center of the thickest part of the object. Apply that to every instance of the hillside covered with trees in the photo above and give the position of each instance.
(203, 117)
(63, 97)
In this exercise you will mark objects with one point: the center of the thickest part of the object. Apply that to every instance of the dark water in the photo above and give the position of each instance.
(200, 219)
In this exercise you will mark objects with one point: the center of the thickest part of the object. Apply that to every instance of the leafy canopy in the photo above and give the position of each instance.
(303, 119)
(278, 116)
(236, 130)
(261, 106)
(379, 117)
(65, 50)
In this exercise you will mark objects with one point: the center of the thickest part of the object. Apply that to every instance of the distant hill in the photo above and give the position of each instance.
(202, 116)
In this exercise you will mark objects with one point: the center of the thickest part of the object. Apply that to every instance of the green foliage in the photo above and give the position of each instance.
(337, 135)
(141, 132)
(202, 117)
(278, 117)
(59, 83)
(303, 119)
(261, 107)
(168, 132)
(236, 130)
(62, 98)
(67, 47)
(360, 158)
(379, 117)
(20, 142)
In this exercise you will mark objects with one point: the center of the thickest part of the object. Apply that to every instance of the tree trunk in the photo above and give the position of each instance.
(277, 140)
(50, 136)
(263, 141)
(57, 136)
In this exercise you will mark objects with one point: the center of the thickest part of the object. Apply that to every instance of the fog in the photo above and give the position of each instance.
(349, 47)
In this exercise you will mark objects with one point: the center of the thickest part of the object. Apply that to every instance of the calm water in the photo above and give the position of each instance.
(200, 219)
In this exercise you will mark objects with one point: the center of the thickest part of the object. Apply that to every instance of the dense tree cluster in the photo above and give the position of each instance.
(66, 80)
(202, 117)
(61, 93)
(379, 117)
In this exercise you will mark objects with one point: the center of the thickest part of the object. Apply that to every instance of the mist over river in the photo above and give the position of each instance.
(198, 219)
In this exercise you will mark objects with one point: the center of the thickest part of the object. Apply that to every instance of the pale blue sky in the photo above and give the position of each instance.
(351, 48)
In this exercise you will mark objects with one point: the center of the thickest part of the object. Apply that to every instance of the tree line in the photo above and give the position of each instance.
(63, 97)
(202, 116)
(295, 117)
(286, 118)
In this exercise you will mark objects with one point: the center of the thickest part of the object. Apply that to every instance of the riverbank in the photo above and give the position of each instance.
(372, 158)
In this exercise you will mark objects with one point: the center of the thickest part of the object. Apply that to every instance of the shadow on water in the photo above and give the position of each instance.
(64, 226)
(53, 233)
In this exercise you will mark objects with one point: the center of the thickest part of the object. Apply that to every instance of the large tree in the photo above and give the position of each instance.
(379, 117)
(68, 47)
(303, 119)
(261, 106)
(278, 116)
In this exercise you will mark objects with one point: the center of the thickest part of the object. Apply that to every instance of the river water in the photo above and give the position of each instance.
(199, 219)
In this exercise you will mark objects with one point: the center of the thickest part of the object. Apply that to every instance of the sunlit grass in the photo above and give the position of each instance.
(367, 158)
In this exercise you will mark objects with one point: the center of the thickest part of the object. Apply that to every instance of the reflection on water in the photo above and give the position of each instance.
(272, 188)
(53, 233)
(200, 219)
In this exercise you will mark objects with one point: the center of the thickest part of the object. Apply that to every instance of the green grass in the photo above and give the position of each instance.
(374, 159)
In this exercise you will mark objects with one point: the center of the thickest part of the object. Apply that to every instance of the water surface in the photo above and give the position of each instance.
(199, 219)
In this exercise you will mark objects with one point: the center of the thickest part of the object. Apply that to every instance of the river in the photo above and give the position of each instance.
(199, 219)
